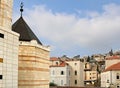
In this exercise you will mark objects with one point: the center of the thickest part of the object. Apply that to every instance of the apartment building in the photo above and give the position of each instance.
(111, 76)
(75, 72)
(60, 74)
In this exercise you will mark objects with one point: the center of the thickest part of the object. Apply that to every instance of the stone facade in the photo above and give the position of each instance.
(8, 48)
(6, 14)
(33, 65)
(60, 75)
(76, 72)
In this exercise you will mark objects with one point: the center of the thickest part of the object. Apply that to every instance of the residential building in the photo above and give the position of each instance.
(8, 47)
(60, 74)
(33, 68)
(75, 72)
(110, 60)
(111, 76)
(91, 74)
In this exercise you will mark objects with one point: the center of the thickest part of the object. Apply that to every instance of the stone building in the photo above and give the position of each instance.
(111, 76)
(33, 57)
(8, 47)
(75, 72)
(60, 74)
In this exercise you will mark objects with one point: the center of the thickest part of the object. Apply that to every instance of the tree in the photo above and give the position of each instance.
(52, 84)
(88, 59)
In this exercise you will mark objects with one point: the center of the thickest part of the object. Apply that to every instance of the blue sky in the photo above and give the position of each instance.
(73, 27)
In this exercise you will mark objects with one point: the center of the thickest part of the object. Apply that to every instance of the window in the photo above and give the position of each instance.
(61, 82)
(1, 35)
(118, 86)
(56, 63)
(75, 72)
(1, 60)
(69, 72)
(75, 63)
(53, 72)
(75, 81)
(85, 65)
(117, 76)
(1, 77)
(53, 81)
(62, 72)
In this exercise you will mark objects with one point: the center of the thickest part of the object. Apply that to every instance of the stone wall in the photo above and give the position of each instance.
(33, 66)
(6, 14)
(8, 47)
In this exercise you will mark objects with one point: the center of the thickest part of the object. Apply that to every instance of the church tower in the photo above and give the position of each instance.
(8, 47)
(33, 57)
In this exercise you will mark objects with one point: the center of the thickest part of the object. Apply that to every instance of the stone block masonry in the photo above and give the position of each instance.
(33, 65)
(8, 47)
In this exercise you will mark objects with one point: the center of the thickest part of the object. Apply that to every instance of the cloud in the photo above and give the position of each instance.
(94, 31)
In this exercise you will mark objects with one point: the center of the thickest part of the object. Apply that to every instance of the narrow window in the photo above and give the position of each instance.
(53, 72)
(69, 72)
(61, 82)
(62, 72)
(1, 60)
(56, 63)
(1, 35)
(75, 72)
(75, 82)
(85, 65)
(1, 77)
(53, 81)
(117, 76)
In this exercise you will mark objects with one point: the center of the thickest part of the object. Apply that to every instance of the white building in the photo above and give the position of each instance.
(73, 71)
(60, 74)
(110, 60)
(111, 76)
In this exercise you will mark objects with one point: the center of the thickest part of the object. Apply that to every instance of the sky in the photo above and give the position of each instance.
(73, 27)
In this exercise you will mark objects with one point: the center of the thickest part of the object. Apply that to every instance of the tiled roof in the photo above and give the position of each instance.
(62, 64)
(113, 57)
(54, 59)
(26, 34)
(113, 67)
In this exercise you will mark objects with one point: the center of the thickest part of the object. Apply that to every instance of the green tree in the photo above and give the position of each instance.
(52, 84)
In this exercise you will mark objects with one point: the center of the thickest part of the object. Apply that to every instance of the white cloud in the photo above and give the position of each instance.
(96, 30)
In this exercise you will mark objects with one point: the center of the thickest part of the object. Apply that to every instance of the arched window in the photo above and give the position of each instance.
(62, 72)
(75, 82)
(75, 72)
(117, 76)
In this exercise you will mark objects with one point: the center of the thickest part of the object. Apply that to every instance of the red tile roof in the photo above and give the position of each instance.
(113, 57)
(54, 59)
(62, 64)
(114, 67)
